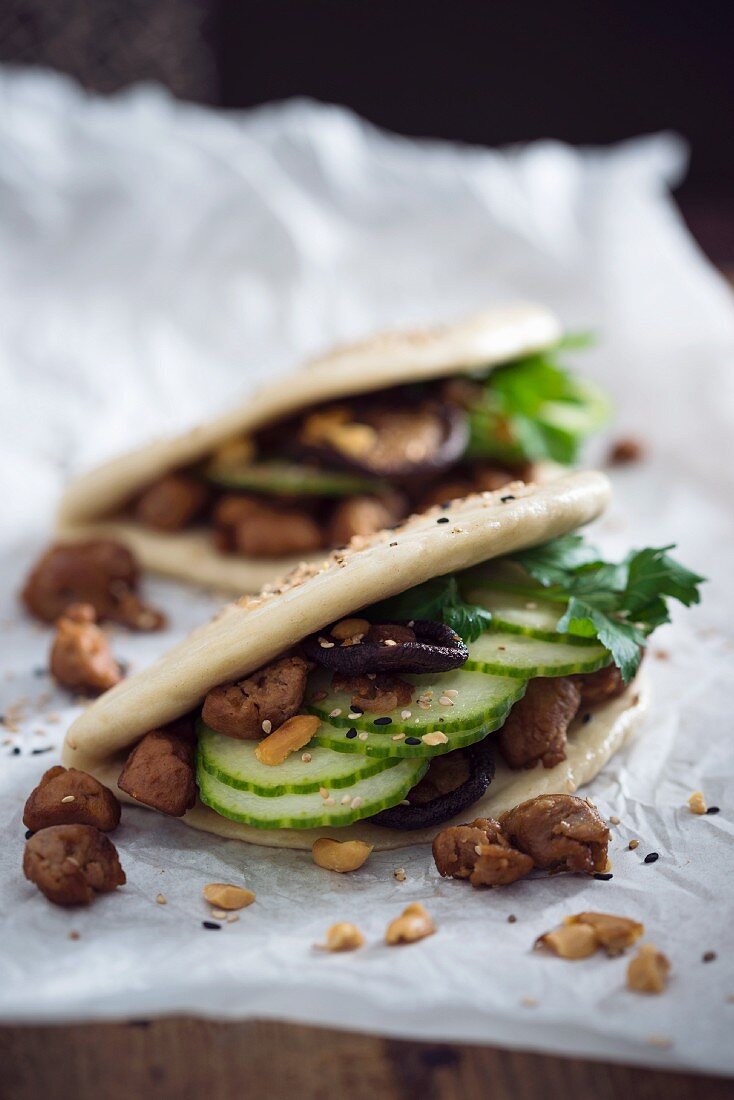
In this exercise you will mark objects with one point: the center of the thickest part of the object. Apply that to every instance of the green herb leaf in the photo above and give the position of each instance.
(438, 599)
(535, 409)
(619, 603)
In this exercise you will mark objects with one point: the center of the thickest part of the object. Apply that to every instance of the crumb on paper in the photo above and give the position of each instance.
(648, 971)
(697, 803)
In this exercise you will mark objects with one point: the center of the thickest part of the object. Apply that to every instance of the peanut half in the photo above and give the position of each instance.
(225, 896)
(413, 924)
(343, 937)
(648, 971)
(570, 941)
(340, 855)
(293, 734)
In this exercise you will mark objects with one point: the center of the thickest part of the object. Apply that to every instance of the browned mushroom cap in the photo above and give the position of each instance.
(406, 441)
(424, 646)
(452, 783)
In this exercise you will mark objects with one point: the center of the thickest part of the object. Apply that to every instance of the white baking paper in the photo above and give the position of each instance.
(156, 259)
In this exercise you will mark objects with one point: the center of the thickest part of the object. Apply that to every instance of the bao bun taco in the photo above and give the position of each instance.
(355, 442)
(446, 669)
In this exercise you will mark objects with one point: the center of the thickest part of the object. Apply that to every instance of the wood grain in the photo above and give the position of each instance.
(190, 1059)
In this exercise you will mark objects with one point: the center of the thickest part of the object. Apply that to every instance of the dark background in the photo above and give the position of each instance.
(491, 72)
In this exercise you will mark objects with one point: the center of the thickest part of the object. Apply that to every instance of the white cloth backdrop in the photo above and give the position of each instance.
(157, 259)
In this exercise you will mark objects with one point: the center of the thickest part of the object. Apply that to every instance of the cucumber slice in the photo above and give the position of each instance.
(407, 746)
(307, 811)
(234, 763)
(280, 478)
(515, 655)
(519, 614)
(478, 700)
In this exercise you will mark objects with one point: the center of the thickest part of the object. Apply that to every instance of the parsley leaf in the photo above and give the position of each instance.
(618, 603)
(534, 408)
(438, 599)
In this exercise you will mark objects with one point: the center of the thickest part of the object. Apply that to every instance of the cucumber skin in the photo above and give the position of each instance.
(374, 767)
(538, 671)
(345, 815)
(440, 721)
(384, 747)
(288, 481)
(505, 626)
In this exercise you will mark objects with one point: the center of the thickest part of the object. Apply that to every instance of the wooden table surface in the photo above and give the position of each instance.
(189, 1059)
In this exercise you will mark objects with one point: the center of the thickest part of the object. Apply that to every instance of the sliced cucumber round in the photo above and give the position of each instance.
(401, 746)
(517, 655)
(234, 763)
(308, 811)
(518, 613)
(280, 478)
(475, 699)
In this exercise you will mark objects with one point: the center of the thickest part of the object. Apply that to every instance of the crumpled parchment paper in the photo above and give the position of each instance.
(156, 259)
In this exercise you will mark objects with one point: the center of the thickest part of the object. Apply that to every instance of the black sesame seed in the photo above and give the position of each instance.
(356, 710)
(442, 519)
(508, 497)
(386, 721)
(713, 810)
(708, 956)
(37, 752)
(40, 671)
(352, 733)
(652, 857)
(211, 925)
(412, 740)
(604, 876)
(446, 504)
(16, 751)
(586, 718)
(511, 919)
(28, 834)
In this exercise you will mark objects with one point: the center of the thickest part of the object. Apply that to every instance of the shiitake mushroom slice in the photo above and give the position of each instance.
(397, 453)
(424, 646)
(452, 783)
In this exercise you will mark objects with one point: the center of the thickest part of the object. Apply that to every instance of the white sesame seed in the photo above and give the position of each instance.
(399, 874)
(531, 607)
(232, 918)
(335, 712)
(398, 736)
(346, 799)
(219, 914)
(451, 692)
(267, 726)
(306, 757)
(330, 801)
(161, 899)
(444, 701)
(323, 792)
(68, 798)
(363, 735)
(357, 802)
(352, 715)
(405, 714)
(326, 645)
(389, 641)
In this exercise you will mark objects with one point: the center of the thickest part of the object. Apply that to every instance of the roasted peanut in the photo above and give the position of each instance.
(570, 941)
(349, 628)
(225, 896)
(413, 924)
(614, 934)
(340, 855)
(343, 937)
(648, 971)
(293, 734)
